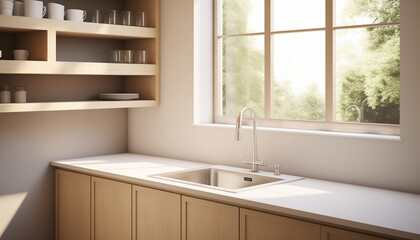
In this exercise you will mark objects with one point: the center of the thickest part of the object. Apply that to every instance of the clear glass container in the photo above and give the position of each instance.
(140, 57)
(111, 17)
(126, 18)
(128, 56)
(97, 16)
(116, 56)
(139, 19)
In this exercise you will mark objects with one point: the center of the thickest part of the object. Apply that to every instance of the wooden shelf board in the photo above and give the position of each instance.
(82, 105)
(76, 68)
(74, 29)
(85, 68)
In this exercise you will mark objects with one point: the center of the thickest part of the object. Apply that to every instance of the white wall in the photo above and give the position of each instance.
(169, 130)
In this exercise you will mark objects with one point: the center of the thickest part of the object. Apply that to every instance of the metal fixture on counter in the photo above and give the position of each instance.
(277, 169)
(255, 162)
(359, 113)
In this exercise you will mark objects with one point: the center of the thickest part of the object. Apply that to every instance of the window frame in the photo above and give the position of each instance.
(329, 124)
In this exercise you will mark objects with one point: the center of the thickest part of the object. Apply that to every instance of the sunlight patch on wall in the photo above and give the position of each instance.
(9, 205)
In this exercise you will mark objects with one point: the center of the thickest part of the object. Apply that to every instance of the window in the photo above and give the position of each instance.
(309, 64)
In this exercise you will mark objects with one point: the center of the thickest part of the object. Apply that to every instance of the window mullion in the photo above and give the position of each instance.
(217, 58)
(329, 62)
(268, 60)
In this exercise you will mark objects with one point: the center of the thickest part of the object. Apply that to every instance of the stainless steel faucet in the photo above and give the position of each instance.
(255, 162)
(359, 113)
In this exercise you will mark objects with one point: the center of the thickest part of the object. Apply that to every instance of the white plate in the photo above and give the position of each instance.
(118, 96)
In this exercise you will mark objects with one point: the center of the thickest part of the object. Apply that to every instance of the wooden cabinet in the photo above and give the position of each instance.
(156, 214)
(262, 226)
(97, 208)
(206, 220)
(111, 210)
(72, 194)
(329, 233)
(69, 62)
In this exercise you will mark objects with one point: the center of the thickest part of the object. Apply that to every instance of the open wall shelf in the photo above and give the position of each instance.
(82, 105)
(75, 68)
(70, 28)
(80, 50)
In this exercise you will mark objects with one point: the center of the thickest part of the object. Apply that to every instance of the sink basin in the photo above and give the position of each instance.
(226, 178)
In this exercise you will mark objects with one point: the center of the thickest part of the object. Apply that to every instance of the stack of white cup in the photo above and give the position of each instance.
(18, 9)
(6, 7)
(77, 15)
(56, 11)
(35, 9)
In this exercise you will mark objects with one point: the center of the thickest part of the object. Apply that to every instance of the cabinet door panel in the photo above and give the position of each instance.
(156, 214)
(262, 226)
(206, 220)
(72, 193)
(111, 212)
(328, 233)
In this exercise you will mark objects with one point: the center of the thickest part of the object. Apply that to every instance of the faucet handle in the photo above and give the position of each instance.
(258, 162)
(247, 161)
(277, 169)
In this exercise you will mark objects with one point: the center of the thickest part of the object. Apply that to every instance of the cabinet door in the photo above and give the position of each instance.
(111, 210)
(72, 195)
(328, 233)
(262, 226)
(206, 220)
(156, 214)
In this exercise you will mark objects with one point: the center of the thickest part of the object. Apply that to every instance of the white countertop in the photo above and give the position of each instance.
(368, 209)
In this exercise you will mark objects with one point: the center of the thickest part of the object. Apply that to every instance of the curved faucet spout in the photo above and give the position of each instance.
(359, 113)
(239, 121)
(254, 161)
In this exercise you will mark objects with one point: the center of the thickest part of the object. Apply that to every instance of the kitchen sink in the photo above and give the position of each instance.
(226, 178)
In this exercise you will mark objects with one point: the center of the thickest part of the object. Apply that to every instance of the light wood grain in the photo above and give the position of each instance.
(329, 233)
(76, 68)
(156, 214)
(323, 202)
(72, 194)
(82, 105)
(39, 36)
(262, 226)
(111, 210)
(35, 42)
(207, 220)
(77, 29)
(51, 46)
(146, 86)
(144, 44)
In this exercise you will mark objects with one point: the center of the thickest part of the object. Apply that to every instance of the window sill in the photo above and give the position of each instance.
(310, 132)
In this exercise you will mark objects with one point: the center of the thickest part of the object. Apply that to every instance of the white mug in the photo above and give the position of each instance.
(21, 54)
(6, 7)
(34, 9)
(56, 11)
(75, 15)
(18, 9)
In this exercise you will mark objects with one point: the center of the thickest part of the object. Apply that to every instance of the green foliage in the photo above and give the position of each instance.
(308, 105)
(374, 76)
(243, 74)
(370, 81)
(243, 64)
(379, 10)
